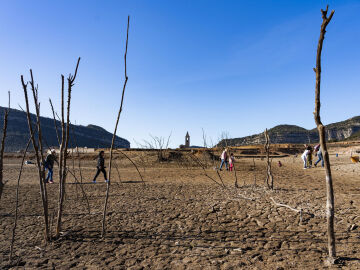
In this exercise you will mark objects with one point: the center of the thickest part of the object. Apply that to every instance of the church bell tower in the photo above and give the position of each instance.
(187, 140)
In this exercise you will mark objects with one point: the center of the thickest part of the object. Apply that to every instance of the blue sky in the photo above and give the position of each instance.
(234, 66)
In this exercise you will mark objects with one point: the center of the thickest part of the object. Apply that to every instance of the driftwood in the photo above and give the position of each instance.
(269, 176)
(37, 147)
(17, 201)
(2, 148)
(300, 211)
(64, 145)
(114, 135)
(330, 208)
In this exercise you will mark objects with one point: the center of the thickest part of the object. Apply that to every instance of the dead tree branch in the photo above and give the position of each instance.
(300, 211)
(55, 125)
(64, 145)
(37, 148)
(236, 179)
(2, 148)
(141, 177)
(269, 176)
(203, 167)
(17, 201)
(254, 169)
(330, 208)
(114, 135)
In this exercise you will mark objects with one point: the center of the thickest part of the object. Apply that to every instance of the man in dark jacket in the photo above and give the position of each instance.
(49, 165)
(100, 166)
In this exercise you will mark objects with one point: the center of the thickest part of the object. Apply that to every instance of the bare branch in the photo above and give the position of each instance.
(64, 144)
(2, 147)
(39, 156)
(55, 125)
(269, 176)
(17, 201)
(114, 135)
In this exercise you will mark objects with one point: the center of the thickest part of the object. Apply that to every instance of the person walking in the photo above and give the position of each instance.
(304, 157)
(319, 155)
(100, 167)
(224, 159)
(49, 166)
(231, 162)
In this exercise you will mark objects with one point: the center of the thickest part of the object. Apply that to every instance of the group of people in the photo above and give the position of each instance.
(308, 153)
(227, 159)
(51, 159)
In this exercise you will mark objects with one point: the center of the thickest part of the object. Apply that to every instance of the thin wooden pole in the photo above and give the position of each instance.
(2, 148)
(330, 204)
(17, 201)
(114, 135)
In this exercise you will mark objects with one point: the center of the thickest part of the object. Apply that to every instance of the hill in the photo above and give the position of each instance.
(90, 136)
(339, 131)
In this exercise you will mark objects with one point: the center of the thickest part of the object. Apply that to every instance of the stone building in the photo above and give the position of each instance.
(187, 141)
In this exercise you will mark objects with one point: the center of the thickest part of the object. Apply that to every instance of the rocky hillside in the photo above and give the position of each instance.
(90, 136)
(294, 134)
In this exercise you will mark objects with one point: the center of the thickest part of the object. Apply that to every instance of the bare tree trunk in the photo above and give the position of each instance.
(269, 176)
(2, 148)
(236, 180)
(64, 145)
(17, 201)
(61, 157)
(36, 146)
(114, 135)
(254, 168)
(330, 208)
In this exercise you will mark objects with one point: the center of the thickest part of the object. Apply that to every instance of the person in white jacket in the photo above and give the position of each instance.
(304, 157)
(224, 159)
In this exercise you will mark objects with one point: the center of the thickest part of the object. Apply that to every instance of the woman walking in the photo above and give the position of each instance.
(100, 166)
(224, 159)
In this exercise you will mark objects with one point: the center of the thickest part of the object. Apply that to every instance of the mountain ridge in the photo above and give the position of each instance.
(338, 131)
(91, 136)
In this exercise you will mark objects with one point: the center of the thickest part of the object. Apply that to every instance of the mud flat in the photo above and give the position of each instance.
(181, 220)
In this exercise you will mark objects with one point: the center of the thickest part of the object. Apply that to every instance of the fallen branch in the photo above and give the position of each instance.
(300, 211)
